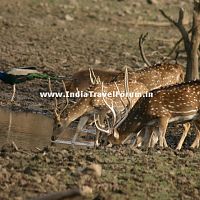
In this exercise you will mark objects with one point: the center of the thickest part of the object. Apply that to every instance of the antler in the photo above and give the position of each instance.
(127, 108)
(55, 103)
(99, 126)
(94, 80)
(66, 98)
(56, 109)
(96, 119)
(117, 119)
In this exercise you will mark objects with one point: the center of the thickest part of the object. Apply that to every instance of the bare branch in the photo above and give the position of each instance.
(176, 44)
(141, 41)
(181, 16)
(69, 194)
(167, 17)
(179, 25)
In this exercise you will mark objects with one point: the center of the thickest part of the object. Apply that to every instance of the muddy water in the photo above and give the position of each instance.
(27, 130)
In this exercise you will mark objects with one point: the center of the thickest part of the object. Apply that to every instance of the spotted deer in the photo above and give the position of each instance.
(167, 73)
(178, 103)
(95, 104)
(157, 76)
(80, 81)
(153, 77)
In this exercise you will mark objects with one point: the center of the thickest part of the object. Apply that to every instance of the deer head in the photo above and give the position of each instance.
(117, 117)
(59, 124)
(176, 103)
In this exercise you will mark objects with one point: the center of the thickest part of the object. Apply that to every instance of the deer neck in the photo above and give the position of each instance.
(79, 109)
(133, 124)
(130, 125)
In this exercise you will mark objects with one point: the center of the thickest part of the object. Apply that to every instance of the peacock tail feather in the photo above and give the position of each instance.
(40, 76)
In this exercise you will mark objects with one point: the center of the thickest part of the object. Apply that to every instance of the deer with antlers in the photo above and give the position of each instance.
(91, 104)
(152, 77)
(157, 76)
(176, 103)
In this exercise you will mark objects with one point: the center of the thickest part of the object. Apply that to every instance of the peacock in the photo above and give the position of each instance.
(21, 74)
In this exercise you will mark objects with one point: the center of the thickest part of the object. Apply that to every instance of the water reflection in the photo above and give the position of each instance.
(27, 130)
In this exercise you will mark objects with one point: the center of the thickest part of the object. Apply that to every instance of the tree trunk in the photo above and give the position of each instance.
(193, 70)
(188, 75)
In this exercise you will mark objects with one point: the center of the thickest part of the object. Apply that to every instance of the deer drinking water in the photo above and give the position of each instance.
(176, 103)
(154, 77)
(91, 104)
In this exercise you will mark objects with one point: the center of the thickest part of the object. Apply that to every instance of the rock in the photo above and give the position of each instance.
(152, 1)
(96, 168)
(50, 179)
(69, 18)
(4, 174)
(85, 190)
(18, 198)
(97, 61)
(37, 179)
(93, 169)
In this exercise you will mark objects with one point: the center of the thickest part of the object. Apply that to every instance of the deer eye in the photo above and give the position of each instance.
(59, 125)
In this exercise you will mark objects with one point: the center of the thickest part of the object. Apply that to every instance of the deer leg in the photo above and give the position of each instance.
(154, 138)
(82, 122)
(163, 123)
(165, 142)
(195, 144)
(147, 136)
(185, 132)
(97, 138)
(139, 138)
(129, 137)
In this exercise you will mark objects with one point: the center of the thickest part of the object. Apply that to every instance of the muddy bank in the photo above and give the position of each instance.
(126, 173)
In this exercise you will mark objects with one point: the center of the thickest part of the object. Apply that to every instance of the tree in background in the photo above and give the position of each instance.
(191, 44)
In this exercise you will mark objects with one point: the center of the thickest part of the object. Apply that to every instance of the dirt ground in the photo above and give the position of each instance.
(61, 37)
